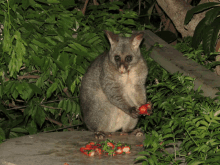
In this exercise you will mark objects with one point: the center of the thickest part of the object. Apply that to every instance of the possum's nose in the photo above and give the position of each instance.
(122, 69)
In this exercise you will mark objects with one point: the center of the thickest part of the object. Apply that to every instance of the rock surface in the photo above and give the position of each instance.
(62, 147)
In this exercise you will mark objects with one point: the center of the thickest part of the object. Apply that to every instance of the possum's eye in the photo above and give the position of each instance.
(128, 58)
(117, 58)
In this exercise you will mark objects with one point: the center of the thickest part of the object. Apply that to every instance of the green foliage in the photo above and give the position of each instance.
(208, 28)
(47, 48)
(103, 17)
(180, 115)
(198, 55)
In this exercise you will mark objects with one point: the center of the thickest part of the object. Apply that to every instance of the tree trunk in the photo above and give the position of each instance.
(177, 9)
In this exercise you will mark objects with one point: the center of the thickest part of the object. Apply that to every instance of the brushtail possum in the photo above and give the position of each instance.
(113, 87)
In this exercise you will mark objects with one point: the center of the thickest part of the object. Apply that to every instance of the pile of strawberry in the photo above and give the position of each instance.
(107, 147)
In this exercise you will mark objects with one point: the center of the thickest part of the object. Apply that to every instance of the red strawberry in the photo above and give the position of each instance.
(98, 145)
(82, 149)
(91, 148)
(92, 143)
(91, 153)
(88, 146)
(110, 145)
(143, 109)
(119, 150)
(99, 151)
(126, 149)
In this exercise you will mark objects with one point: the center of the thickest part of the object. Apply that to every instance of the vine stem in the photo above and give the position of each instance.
(192, 138)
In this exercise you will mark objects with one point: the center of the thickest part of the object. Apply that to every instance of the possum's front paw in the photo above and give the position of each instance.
(101, 135)
(134, 112)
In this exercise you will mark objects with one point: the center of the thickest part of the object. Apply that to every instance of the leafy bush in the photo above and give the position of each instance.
(47, 48)
(198, 55)
(180, 115)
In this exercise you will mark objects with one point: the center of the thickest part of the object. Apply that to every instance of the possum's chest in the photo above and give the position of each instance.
(128, 79)
(128, 82)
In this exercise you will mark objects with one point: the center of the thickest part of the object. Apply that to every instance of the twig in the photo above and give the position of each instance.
(139, 3)
(20, 100)
(23, 68)
(49, 107)
(62, 128)
(28, 77)
(19, 107)
(43, 100)
(65, 90)
(34, 71)
(57, 123)
(161, 14)
(84, 7)
(95, 2)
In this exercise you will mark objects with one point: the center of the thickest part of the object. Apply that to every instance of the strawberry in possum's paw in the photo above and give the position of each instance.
(145, 109)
